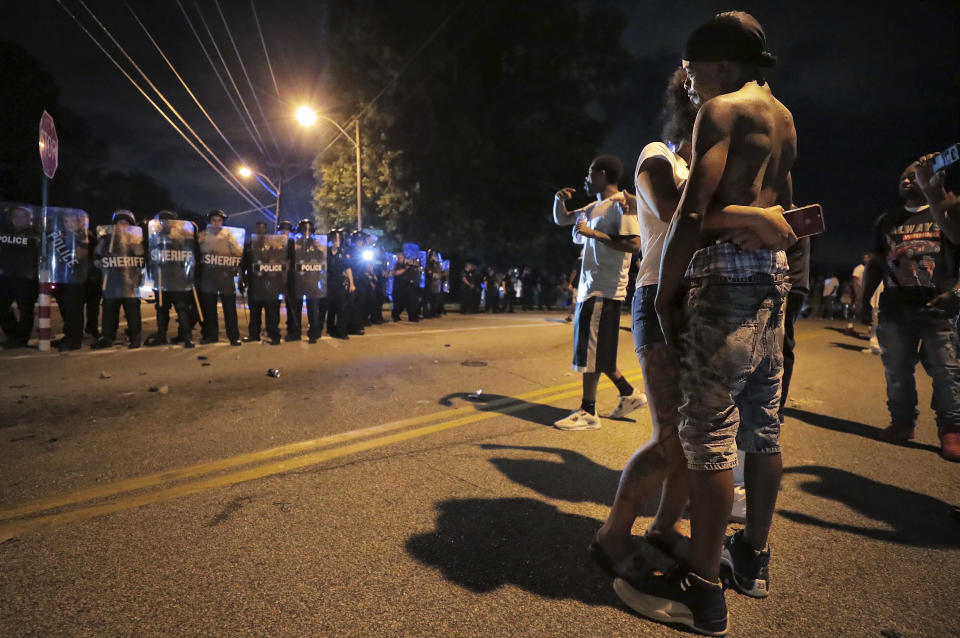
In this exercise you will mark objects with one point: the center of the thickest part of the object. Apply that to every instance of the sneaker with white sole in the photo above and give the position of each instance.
(579, 419)
(749, 569)
(677, 597)
(628, 404)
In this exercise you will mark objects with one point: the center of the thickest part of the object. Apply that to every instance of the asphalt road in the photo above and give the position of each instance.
(366, 492)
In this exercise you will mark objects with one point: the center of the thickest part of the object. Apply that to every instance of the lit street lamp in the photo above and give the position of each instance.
(274, 189)
(308, 117)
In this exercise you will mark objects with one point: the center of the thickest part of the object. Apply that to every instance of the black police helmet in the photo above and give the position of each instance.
(166, 214)
(305, 222)
(216, 213)
(284, 225)
(124, 215)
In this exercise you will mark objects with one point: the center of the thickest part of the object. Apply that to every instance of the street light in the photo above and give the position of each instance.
(274, 189)
(308, 117)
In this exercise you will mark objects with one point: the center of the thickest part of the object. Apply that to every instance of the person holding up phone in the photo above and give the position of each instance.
(916, 257)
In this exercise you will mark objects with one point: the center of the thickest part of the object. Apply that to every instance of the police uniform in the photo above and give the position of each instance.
(179, 300)
(339, 310)
(316, 298)
(19, 255)
(218, 281)
(117, 296)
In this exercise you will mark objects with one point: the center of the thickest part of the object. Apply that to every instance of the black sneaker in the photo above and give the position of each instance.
(679, 596)
(749, 569)
(155, 340)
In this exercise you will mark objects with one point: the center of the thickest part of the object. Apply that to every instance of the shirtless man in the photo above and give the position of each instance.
(744, 145)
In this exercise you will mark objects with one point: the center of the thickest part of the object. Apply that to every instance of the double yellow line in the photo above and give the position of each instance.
(30, 517)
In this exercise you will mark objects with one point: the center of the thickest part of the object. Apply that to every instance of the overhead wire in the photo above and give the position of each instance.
(164, 99)
(216, 72)
(226, 178)
(233, 83)
(243, 66)
(266, 54)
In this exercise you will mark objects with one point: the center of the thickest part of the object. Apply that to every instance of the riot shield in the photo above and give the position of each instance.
(221, 254)
(121, 256)
(411, 251)
(19, 241)
(390, 264)
(67, 245)
(173, 254)
(423, 268)
(269, 265)
(310, 266)
(445, 269)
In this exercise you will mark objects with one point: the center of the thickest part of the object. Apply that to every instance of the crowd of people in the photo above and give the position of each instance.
(720, 281)
(339, 280)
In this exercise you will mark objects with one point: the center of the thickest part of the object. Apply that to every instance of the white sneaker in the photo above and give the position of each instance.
(738, 513)
(579, 419)
(628, 404)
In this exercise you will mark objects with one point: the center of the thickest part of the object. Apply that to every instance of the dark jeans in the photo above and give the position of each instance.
(908, 336)
(338, 313)
(271, 314)
(211, 323)
(794, 304)
(316, 313)
(23, 292)
(111, 317)
(70, 299)
(180, 300)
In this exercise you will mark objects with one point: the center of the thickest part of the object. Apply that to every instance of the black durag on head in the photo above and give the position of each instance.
(735, 36)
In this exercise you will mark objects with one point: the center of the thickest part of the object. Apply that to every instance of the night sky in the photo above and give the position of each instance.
(871, 85)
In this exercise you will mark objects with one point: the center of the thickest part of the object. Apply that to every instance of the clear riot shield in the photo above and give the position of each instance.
(411, 251)
(269, 265)
(390, 264)
(423, 268)
(173, 256)
(445, 269)
(19, 241)
(67, 245)
(221, 254)
(310, 266)
(120, 254)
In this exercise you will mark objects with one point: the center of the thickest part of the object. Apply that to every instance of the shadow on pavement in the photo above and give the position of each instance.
(573, 477)
(912, 518)
(534, 412)
(484, 544)
(847, 346)
(843, 331)
(848, 427)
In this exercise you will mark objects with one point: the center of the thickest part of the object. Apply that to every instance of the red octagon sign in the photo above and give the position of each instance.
(49, 146)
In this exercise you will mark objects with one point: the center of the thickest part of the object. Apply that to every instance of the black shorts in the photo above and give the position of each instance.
(596, 333)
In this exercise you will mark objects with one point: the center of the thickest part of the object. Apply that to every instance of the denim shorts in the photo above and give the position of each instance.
(730, 372)
(645, 324)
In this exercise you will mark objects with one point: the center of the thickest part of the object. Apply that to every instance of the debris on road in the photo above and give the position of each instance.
(273, 373)
(202, 357)
(104, 375)
(162, 389)
(204, 364)
(473, 364)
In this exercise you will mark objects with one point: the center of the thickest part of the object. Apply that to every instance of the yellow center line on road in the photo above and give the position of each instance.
(483, 411)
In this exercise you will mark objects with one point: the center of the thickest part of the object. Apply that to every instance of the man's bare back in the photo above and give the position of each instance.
(762, 147)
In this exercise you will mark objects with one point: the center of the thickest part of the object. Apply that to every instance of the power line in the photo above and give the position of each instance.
(247, 198)
(163, 97)
(265, 53)
(233, 83)
(182, 81)
(246, 75)
(216, 72)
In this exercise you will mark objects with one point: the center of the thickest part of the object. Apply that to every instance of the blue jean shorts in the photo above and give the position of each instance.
(645, 324)
(730, 372)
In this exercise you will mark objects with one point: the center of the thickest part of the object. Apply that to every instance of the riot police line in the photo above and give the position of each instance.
(342, 279)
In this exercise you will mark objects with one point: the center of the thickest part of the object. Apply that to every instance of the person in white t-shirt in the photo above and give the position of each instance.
(609, 234)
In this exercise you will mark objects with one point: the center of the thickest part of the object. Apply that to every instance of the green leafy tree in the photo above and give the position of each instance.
(387, 187)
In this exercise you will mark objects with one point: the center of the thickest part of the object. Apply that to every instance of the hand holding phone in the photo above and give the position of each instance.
(806, 220)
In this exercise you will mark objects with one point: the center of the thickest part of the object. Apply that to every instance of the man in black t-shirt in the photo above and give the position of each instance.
(918, 266)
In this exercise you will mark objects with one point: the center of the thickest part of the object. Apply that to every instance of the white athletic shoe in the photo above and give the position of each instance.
(628, 404)
(579, 419)
(738, 513)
